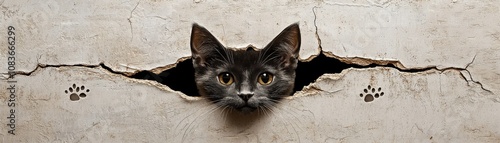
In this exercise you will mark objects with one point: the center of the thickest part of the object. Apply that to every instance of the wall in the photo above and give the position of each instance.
(444, 87)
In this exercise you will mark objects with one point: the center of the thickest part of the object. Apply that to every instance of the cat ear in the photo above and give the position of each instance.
(287, 43)
(203, 45)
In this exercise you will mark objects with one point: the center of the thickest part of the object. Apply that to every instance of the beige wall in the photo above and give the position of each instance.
(61, 43)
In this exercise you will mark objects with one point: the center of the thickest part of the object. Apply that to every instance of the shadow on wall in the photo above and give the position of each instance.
(181, 77)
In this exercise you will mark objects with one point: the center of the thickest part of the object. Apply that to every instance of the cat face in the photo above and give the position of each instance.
(245, 79)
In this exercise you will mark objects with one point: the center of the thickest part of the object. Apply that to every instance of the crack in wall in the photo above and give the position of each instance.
(400, 67)
(316, 34)
(386, 63)
(41, 66)
(130, 21)
(347, 4)
(470, 76)
(376, 3)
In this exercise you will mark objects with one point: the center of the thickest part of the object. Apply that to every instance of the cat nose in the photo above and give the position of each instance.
(245, 96)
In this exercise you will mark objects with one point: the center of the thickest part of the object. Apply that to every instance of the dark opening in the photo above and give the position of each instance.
(181, 77)
(308, 72)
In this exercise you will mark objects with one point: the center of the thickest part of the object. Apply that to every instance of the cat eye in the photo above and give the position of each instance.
(226, 78)
(265, 78)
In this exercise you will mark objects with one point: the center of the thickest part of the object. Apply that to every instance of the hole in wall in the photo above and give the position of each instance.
(308, 72)
(181, 77)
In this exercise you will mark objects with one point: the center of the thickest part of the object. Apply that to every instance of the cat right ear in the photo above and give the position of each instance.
(286, 45)
(203, 44)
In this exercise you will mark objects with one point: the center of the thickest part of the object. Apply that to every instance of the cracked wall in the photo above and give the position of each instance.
(436, 64)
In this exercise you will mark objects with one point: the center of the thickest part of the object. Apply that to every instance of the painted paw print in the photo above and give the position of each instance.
(371, 93)
(76, 92)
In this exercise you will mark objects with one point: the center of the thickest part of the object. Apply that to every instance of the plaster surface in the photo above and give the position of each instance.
(62, 43)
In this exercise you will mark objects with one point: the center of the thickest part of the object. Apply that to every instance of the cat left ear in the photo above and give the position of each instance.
(203, 44)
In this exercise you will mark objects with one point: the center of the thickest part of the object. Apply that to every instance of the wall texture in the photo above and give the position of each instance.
(444, 87)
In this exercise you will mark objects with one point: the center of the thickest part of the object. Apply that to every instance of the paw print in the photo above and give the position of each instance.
(371, 93)
(76, 92)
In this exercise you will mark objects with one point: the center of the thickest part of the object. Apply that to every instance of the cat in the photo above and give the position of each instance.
(245, 79)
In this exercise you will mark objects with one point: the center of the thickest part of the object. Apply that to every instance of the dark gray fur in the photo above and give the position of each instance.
(279, 57)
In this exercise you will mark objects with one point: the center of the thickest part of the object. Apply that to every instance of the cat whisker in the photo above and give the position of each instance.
(190, 125)
(222, 55)
(269, 111)
(231, 56)
(215, 100)
(186, 127)
(290, 112)
(274, 57)
(263, 110)
(222, 61)
(287, 121)
(226, 113)
(267, 48)
(262, 53)
(193, 113)
(258, 110)
(266, 110)
(230, 110)
(259, 58)
(228, 55)
(274, 100)
(267, 58)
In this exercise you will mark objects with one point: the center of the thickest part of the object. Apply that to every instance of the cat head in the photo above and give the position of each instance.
(245, 79)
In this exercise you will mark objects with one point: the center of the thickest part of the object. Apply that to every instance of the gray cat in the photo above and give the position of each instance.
(245, 79)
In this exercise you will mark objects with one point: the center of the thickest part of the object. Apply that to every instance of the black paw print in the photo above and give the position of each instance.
(76, 92)
(371, 93)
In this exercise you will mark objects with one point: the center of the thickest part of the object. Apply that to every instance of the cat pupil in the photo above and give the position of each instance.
(265, 77)
(226, 77)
